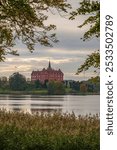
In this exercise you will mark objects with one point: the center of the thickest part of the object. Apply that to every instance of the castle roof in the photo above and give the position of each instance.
(48, 70)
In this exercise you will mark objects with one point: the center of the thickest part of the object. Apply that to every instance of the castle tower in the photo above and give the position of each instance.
(49, 65)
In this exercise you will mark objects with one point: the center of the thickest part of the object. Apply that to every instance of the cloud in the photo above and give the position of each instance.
(79, 52)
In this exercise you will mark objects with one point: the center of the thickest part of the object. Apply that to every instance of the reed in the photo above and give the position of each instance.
(23, 131)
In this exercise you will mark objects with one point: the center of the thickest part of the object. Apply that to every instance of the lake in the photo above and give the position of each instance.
(80, 105)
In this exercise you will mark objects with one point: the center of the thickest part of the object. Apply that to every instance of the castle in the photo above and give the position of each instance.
(47, 74)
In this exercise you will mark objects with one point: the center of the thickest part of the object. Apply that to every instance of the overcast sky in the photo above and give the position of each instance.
(67, 55)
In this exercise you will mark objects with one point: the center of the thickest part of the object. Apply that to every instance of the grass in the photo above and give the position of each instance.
(19, 131)
(35, 92)
(68, 91)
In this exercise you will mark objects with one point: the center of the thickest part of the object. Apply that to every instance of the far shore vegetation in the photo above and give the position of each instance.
(23, 131)
(17, 84)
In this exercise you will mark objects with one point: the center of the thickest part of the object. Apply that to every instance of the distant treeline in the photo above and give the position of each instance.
(17, 82)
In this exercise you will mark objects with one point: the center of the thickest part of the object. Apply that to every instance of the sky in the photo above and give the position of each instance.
(68, 54)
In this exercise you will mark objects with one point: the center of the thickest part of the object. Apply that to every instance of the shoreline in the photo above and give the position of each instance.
(43, 93)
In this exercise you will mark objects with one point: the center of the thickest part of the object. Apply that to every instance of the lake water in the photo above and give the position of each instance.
(80, 105)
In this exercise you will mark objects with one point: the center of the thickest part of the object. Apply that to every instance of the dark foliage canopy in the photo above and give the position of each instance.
(17, 82)
(25, 20)
(92, 10)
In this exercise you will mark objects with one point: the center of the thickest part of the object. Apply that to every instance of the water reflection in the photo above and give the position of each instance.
(36, 103)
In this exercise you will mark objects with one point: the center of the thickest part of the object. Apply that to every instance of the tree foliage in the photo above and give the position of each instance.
(3, 85)
(25, 20)
(17, 82)
(95, 80)
(55, 88)
(92, 9)
(38, 84)
(92, 60)
(83, 88)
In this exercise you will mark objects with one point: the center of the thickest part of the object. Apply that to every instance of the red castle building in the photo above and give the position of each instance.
(47, 74)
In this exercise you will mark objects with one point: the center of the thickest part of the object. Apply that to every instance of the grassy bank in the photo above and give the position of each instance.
(44, 92)
(19, 131)
(34, 92)
(70, 91)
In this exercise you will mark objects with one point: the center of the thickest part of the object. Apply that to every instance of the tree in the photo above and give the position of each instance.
(83, 87)
(4, 85)
(44, 85)
(38, 84)
(91, 8)
(17, 82)
(25, 20)
(75, 85)
(55, 87)
(96, 83)
(94, 80)
(92, 60)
